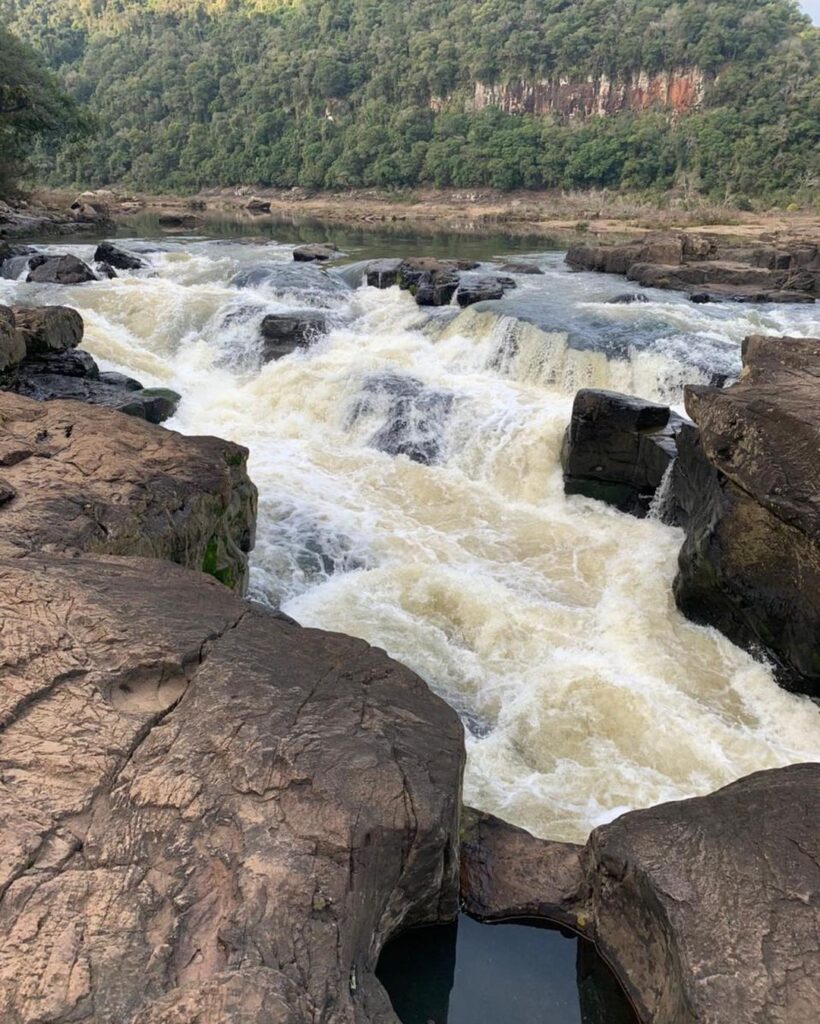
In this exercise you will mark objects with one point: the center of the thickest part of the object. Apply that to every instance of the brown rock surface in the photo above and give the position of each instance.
(707, 909)
(206, 813)
(749, 482)
(47, 329)
(90, 480)
(714, 269)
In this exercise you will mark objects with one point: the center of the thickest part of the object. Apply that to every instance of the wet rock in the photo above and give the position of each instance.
(284, 333)
(65, 269)
(309, 282)
(46, 329)
(521, 268)
(483, 289)
(258, 205)
(14, 259)
(413, 416)
(383, 273)
(109, 253)
(315, 253)
(673, 894)
(748, 481)
(152, 404)
(121, 380)
(71, 363)
(106, 272)
(99, 482)
(619, 449)
(12, 345)
(627, 299)
(246, 810)
(435, 288)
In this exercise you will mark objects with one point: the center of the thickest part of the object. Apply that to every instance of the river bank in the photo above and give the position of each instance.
(469, 212)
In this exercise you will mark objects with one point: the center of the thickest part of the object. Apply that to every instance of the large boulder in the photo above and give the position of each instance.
(50, 367)
(708, 909)
(208, 813)
(284, 333)
(87, 480)
(619, 449)
(748, 481)
(383, 273)
(112, 256)
(12, 345)
(46, 329)
(65, 269)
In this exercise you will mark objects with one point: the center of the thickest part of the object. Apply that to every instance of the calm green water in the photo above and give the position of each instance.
(471, 973)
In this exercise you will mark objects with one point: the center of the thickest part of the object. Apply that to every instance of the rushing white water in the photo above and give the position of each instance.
(547, 622)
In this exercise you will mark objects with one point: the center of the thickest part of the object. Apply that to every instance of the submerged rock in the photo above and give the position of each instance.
(619, 449)
(748, 481)
(304, 282)
(627, 299)
(521, 268)
(673, 894)
(88, 480)
(315, 253)
(110, 254)
(284, 333)
(413, 416)
(233, 813)
(65, 269)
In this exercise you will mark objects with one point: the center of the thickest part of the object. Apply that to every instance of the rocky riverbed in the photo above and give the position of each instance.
(212, 812)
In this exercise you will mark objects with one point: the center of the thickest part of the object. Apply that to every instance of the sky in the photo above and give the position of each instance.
(812, 7)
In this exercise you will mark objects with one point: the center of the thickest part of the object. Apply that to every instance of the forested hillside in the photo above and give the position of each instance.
(720, 96)
(33, 108)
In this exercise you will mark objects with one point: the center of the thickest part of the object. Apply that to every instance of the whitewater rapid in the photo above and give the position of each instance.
(547, 622)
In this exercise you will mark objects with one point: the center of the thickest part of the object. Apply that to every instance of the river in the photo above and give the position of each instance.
(547, 622)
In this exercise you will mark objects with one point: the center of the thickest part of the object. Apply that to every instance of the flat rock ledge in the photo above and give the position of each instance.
(708, 910)
(207, 813)
(85, 479)
(709, 267)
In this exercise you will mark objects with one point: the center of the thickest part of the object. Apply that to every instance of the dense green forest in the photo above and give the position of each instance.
(33, 108)
(192, 93)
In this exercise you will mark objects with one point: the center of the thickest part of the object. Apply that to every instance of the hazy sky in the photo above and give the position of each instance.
(812, 7)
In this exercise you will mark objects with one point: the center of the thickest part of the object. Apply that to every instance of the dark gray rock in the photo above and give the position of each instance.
(152, 404)
(435, 288)
(12, 345)
(315, 253)
(312, 283)
(65, 269)
(383, 273)
(121, 380)
(483, 289)
(109, 253)
(284, 333)
(521, 268)
(413, 417)
(627, 299)
(47, 329)
(706, 909)
(618, 449)
(748, 483)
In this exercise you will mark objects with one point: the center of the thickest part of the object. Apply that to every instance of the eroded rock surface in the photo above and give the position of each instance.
(208, 813)
(709, 267)
(748, 481)
(707, 909)
(88, 481)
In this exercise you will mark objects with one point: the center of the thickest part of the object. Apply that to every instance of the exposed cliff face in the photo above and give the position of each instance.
(679, 89)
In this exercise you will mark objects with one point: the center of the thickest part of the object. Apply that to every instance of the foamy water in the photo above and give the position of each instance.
(547, 622)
